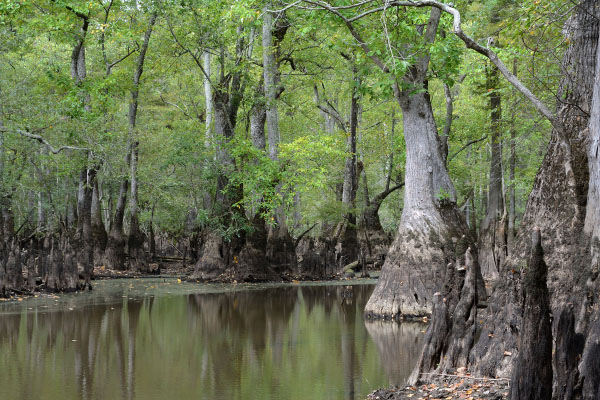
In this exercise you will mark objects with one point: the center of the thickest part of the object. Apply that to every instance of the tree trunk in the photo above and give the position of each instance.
(512, 161)
(378, 240)
(349, 237)
(258, 117)
(432, 227)
(84, 242)
(559, 204)
(99, 236)
(532, 373)
(207, 99)
(217, 254)
(492, 235)
(135, 244)
(280, 251)
(209, 123)
(114, 255)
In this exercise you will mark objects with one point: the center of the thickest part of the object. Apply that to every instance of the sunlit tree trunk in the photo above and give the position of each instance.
(432, 231)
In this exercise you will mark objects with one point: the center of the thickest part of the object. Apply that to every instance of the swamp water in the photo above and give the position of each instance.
(160, 339)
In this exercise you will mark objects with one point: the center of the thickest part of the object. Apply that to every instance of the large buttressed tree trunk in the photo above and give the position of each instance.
(217, 254)
(432, 228)
(84, 236)
(564, 197)
(556, 205)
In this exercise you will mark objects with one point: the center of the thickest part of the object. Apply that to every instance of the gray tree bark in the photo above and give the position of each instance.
(492, 235)
(216, 253)
(349, 237)
(558, 205)
(99, 236)
(431, 227)
(135, 244)
(208, 99)
(512, 161)
(281, 253)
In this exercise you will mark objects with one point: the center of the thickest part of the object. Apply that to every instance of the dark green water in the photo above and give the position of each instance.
(155, 339)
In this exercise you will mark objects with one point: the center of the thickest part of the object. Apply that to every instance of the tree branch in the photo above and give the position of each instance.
(42, 140)
(467, 145)
(330, 110)
(377, 200)
(469, 43)
(302, 235)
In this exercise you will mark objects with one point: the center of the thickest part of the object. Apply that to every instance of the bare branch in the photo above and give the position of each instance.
(130, 52)
(42, 140)
(469, 42)
(355, 34)
(184, 112)
(467, 145)
(330, 110)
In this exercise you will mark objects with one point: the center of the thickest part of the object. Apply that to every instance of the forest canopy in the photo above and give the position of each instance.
(85, 120)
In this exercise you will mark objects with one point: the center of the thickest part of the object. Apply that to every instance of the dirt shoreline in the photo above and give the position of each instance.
(448, 387)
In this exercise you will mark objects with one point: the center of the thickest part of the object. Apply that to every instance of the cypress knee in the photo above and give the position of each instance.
(532, 373)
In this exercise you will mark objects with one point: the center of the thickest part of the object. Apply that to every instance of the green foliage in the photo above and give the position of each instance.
(179, 165)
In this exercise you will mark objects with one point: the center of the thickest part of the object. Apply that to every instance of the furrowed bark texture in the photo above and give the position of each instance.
(492, 237)
(558, 206)
(416, 260)
(99, 236)
(280, 251)
(532, 372)
(554, 206)
(431, 226)
(450, 335)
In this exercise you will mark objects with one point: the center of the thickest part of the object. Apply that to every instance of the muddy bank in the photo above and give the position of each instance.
(448, 387)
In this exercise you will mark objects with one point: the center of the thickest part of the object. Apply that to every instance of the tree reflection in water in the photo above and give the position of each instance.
(289, 342)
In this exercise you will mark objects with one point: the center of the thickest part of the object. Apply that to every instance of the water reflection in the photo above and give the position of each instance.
(278, 343)
(399, 346)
